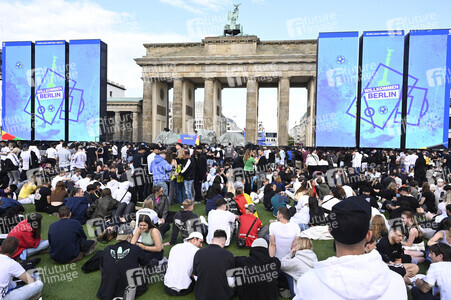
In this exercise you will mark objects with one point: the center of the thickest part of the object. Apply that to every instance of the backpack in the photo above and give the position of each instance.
(34, 162)
(93, 264)
(229, 151)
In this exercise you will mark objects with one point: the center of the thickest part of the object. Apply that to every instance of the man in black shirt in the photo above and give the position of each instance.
(200, 174)
(42, 199)
(210, 269)
(392, 252)
(115, 263)
(67, 239)
(403, 203)
(91, 156)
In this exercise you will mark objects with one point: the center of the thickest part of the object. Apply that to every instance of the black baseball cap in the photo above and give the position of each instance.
(350, 220)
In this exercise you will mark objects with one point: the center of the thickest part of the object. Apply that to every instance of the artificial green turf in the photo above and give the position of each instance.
(85, 286)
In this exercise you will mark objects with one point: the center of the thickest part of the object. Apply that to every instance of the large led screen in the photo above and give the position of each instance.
(428, 88)
(17, 85)
(337, 77)
(381, 88)
(87, 101)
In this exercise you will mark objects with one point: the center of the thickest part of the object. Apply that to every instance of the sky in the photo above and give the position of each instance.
(126, 25)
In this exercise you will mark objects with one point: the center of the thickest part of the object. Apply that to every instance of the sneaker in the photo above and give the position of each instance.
(133, 224)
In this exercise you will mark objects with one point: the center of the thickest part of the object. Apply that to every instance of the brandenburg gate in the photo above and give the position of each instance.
(221, 62)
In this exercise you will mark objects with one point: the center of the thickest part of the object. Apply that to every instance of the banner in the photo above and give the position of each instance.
(429, 86)
(17, 86)
(337, 77)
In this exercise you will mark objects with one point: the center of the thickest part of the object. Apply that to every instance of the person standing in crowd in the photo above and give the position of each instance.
(12, 164)
(178, 278)
(63, 157)
(79, 160)
(188, 173)
(200, 172)
(160, 169)
(210, 268)
(51, 155)
(312, 161)
(351, 273)
(10, 269)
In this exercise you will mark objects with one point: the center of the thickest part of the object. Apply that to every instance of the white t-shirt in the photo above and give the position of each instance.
(220, 219)
(284, 235)
(26, 159)
(10, 268)
(348, 190)
(180, 266)
(79, 160)
(439, 274)
(51, 153)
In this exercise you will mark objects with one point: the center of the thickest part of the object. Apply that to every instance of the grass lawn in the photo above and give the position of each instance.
(85, 286)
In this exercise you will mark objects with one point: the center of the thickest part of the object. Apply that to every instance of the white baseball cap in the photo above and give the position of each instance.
(193, 235)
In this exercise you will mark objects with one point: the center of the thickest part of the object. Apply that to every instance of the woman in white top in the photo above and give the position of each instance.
(12, 166)
(441, 212)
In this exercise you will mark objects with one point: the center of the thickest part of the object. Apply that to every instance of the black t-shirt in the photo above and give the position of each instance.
(388, 251)
(430, 201)
(210, 265)
(91, 153)
(388, 194)
(114, 264)
(41, 203)
(407, 202)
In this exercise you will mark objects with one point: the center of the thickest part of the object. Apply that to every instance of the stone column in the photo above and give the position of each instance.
(135, 127)
(177, 106)
(252, 110)
(311, 106)
(117, 126)
(209, 109)
(159, 107)
(188, 107)
(283, 104)
(147, 111)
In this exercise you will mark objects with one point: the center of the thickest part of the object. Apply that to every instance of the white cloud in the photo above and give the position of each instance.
(199, 6)
(58, 19)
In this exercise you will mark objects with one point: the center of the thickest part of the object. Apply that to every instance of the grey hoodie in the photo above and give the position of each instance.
(298, 264)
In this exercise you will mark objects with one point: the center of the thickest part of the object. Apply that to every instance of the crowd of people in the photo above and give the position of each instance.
(387, 212)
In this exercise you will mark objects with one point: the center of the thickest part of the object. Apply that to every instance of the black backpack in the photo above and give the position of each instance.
(93, 264)
(34, 162)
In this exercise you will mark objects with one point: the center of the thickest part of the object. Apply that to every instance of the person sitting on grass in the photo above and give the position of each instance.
(178, 280)
(300, 260)
(413, 243)
(151, 240)
(116, 261)
(352, 274)
(67, 239)
(57, 197)
(392, 253)
(28, 232)
(268, 268)
(438, 275)
(10, 269)
(222, 219)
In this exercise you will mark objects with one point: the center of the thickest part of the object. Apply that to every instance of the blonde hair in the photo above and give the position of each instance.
(392, 186)
(16, 151)
(303, 243)
(148, 203)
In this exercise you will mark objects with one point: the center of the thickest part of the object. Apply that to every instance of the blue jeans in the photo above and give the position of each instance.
(164, 185)
(303, 226)
(290, 281)
(43, 245)
(28, 291)
(180, 192)
(189, 189)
